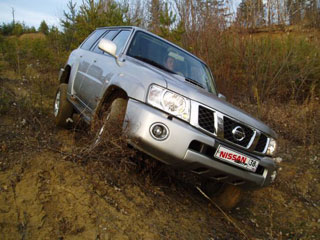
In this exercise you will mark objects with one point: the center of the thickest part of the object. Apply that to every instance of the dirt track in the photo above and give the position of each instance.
(48, 198)
(44, 196)
(47, 192)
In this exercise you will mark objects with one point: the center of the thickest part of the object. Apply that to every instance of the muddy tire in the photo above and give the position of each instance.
(211, 188)
(225, 195)
(229, 196)
(110, 120)
(62, 108)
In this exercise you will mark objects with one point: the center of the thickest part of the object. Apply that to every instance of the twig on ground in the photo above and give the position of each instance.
(224, 213)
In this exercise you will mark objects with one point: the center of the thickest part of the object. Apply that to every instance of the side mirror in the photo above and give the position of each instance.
(221, 96)
(108, 47)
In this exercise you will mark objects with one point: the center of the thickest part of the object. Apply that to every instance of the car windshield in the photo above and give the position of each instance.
(163, 55)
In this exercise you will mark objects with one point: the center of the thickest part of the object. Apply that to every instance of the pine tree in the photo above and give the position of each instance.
(167, 18)
(154, 16)
(43, 28)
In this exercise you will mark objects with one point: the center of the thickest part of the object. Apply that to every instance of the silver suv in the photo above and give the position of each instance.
(170, 99)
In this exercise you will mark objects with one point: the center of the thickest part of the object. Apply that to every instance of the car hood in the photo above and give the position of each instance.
(178, 84)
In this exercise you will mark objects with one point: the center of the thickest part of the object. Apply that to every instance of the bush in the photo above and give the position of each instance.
(282, 66)
(44, 53)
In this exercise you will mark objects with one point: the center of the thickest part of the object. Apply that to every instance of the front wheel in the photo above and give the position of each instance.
(111, 119)
(225, 195)
(62, 108)
(229, 197)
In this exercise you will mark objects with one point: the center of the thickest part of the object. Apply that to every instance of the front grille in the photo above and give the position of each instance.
(206, 119)
(224, 126)
(261, 145)
(229, 125)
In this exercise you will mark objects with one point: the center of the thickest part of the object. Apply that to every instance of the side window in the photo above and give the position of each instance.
(92, 39)
(120, 40)
(108, 36)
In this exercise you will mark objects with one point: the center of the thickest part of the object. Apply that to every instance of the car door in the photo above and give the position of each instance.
(102, 68)
(84, 61)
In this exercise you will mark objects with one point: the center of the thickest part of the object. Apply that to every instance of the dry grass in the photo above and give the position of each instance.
(112, 163)
(32, 36)
(294, 123)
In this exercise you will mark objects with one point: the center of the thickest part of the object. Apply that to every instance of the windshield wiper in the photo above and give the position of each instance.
(153, 63)
(194, 82)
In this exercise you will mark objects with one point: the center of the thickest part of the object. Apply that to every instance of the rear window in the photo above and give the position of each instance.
(92, 39)
(108, 36)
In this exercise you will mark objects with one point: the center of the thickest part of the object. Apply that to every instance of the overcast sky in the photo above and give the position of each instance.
(32, 12)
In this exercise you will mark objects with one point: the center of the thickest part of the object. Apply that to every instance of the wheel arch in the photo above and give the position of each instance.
(65, 75)
(108, 95)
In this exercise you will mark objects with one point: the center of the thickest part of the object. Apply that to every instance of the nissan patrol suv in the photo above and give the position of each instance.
(166, 99)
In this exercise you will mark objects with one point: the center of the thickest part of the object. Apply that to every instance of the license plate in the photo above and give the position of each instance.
(236, 158)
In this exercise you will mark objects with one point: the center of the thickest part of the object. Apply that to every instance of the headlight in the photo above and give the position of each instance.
(271, 147)
(170, 102)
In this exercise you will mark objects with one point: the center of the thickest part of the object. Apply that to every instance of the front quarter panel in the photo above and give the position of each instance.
(134, 78)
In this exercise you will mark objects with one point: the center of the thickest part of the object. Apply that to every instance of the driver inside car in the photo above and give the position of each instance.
(169, 63)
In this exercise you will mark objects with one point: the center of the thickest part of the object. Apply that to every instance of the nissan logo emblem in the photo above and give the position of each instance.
(238, 134)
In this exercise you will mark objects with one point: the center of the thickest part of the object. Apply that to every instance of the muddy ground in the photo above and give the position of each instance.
(50, 188)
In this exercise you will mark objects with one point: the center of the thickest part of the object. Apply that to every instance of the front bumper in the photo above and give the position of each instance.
(188, 148)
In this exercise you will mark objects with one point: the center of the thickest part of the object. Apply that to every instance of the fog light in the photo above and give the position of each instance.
(159, 131)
